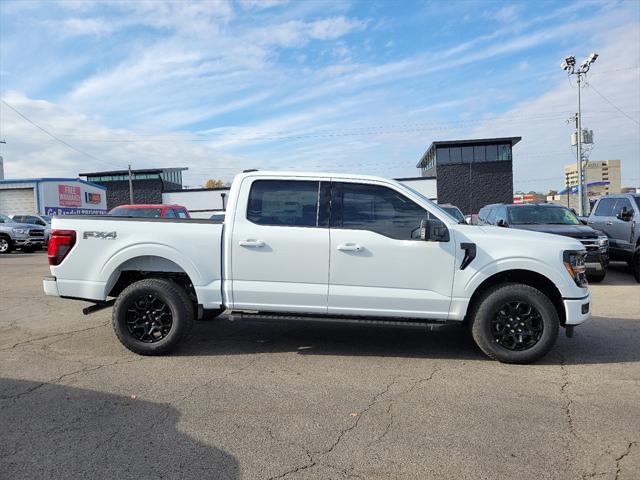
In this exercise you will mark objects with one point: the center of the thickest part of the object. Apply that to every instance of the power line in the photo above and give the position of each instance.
(613, 105)
(68, 145)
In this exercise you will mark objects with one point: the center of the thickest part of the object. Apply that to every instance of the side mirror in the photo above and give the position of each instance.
(433, 230)
(467, 218)
(625, 215)
(501, 223)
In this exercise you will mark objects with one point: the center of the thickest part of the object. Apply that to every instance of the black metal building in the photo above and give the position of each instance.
(148, 184)
(471, 173)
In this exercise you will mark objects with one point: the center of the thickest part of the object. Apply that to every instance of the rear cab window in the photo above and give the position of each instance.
(290, 203)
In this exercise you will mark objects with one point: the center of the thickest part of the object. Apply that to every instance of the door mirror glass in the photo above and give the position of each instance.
(433, 230)
(625, 215)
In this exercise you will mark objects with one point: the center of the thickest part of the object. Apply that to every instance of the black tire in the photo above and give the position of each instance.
(129, 319)
(596, 277)
(635, 264)
(488, 313)
(6, 245)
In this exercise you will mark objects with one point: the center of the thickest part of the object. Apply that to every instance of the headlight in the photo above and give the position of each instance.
(603, 241)
(20, 231)
(574, 263)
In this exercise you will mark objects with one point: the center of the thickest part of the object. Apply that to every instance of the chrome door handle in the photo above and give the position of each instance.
(251, 243)
(609, 223)
(350, 247)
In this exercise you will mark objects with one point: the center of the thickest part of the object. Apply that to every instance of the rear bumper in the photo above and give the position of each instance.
(577, 310)
(50, 285)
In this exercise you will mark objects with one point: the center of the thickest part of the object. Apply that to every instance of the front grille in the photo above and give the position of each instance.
(590, 243)
(36, 233)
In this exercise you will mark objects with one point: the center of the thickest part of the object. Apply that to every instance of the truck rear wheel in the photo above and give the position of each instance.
(514, 323)
(151, 316)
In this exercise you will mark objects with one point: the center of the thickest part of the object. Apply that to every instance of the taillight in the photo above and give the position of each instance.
(60, 244)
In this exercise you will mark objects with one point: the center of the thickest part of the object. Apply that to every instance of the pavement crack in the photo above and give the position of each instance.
(46, 337)
(568, 401)
(622, 457)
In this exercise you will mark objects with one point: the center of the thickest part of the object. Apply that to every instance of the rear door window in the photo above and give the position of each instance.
(290, 203)
(605, 207)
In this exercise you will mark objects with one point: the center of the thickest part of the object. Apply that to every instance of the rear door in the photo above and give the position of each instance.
(280, 245)
(378, 265)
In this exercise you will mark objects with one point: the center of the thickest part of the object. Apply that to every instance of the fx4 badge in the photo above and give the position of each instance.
(100, 235)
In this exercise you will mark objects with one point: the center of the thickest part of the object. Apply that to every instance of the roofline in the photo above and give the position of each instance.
(512, 140)
(52, 179)
(140, 170)
(432, 177)
(196, 189)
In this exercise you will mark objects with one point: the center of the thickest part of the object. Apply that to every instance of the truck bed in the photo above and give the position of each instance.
(107, 246)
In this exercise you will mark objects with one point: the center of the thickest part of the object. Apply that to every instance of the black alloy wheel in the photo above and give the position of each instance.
(149, 319)
(517, 326)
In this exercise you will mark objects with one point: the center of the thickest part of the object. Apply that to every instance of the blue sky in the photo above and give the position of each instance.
(364, 87)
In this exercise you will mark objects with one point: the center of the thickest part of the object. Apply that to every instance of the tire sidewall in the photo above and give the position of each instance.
(492, 301)
(8, 243)
(173, 296)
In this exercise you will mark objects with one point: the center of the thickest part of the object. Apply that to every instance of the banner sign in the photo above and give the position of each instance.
(73, 211)
(93, 198)
(69, 196)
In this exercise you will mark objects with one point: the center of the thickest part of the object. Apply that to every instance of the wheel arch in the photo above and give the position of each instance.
(526, 277)
(147, 266)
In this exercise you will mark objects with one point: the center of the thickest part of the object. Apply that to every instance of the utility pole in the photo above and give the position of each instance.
(569, 66)
(130, 186)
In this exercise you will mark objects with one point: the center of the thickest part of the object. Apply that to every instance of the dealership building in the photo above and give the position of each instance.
(52, 196)
(471, 173)
(148, 184)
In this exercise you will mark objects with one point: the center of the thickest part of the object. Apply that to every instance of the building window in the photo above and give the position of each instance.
(491, 153)
(467, 154)
(479, 153)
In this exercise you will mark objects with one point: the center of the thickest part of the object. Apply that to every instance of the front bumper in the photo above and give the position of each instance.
(577, 310)
(596, 261)
(50, 286)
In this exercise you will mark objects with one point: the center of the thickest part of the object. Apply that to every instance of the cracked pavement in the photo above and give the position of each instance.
(270, 401)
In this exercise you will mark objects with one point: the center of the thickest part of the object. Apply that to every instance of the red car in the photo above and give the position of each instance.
(151, 211)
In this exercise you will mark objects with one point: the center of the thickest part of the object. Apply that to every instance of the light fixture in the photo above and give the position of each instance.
(571, 61)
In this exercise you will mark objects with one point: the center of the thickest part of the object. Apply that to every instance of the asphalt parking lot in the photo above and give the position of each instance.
(264, 401)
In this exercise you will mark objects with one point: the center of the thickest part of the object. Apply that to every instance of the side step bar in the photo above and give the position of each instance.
(364, 321)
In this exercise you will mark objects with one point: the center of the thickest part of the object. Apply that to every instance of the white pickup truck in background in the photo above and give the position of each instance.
(323, 247)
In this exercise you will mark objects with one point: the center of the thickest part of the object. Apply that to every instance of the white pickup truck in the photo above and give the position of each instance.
(323, 247)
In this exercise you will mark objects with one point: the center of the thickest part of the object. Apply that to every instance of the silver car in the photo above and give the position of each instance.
(27, 237)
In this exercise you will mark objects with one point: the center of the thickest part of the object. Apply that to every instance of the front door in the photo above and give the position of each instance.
(280, 247)
(378, 264)
(619, 229)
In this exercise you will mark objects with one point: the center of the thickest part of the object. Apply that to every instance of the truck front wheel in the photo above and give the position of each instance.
(151, 316)
(514, 323)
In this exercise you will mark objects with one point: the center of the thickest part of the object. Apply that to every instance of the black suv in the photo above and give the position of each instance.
(556, 219)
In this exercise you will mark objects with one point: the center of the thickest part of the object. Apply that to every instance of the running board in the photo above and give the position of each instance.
(427, 324)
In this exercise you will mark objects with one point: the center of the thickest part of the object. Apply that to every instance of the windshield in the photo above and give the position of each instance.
(539, 214)
(637, 199)
(430, 202)
(455, 213)
(5, 219)
(136, 212)
(46, 218)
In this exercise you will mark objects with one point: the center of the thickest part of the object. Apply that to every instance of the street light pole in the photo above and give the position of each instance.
(569, 66)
